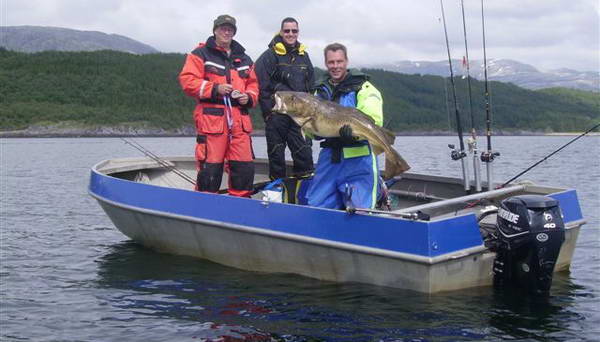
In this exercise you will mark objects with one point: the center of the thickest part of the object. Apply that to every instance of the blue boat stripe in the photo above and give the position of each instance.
(569, 204)
(295, 237)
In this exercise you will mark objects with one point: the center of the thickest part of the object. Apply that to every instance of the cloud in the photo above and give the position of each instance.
(548, 34)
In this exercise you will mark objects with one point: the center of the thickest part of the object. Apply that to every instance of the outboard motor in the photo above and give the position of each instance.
(530, 234)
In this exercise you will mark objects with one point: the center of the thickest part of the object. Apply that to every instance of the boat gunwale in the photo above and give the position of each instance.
(520, 186)
(149, 163)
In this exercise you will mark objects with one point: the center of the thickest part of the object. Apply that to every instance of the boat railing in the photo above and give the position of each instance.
(463, 199)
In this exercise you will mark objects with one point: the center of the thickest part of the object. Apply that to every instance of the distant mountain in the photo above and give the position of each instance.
(503, 70)
(40, 38)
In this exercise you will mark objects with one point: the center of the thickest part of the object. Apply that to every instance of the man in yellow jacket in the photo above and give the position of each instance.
(347, 167)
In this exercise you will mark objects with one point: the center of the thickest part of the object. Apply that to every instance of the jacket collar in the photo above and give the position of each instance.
(236, 48)
(353, 80)
(281, 48)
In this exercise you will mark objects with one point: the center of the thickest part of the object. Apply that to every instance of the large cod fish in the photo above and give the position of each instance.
(324, 118)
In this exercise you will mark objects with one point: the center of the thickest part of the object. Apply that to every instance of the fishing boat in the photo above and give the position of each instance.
(441, 234)
(437, 237)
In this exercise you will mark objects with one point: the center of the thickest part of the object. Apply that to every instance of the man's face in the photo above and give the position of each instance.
(224, 34)
(337, 65)
(289, 33)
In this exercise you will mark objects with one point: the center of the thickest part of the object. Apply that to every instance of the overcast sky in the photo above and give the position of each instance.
(547, 34)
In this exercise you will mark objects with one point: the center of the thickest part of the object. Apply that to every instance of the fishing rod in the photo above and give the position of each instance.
(471, 142)
(411, 216)
(487, 156)
(549, 155)
(160, 161)
(456, 154)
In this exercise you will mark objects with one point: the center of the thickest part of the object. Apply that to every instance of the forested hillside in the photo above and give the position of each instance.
(102, 87)
(108, 88)
(419, 103)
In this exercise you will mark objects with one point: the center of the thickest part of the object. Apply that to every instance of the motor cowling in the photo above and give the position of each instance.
(530, 232)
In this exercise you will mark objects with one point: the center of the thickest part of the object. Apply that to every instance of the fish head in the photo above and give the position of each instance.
(299, 106)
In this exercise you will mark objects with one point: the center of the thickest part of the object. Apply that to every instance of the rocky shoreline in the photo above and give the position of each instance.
(52, 131)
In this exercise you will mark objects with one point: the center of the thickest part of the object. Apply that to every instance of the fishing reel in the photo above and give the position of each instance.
(488, 156)
(456, 154)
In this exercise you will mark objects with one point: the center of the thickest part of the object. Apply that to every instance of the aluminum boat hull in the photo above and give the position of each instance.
(157, 210)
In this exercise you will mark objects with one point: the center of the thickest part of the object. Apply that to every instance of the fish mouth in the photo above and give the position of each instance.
(279, 105)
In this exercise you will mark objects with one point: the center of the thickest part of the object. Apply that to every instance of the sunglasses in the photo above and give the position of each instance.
(288, 31)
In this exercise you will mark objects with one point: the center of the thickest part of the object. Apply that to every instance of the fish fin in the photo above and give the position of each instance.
(370, 119)
(394, 165)
(304, 134)
(305, 122)
(377, 150)
(390, 137)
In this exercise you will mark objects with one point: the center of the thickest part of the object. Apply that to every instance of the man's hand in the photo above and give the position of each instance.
(242, 98)
(224, 89)
(346, 135)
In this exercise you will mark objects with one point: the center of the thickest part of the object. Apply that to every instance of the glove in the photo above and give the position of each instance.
(346, 135)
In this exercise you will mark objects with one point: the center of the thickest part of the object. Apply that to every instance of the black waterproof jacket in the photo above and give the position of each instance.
(282, 67)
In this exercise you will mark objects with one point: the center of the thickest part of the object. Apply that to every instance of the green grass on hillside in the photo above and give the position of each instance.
(111, 88)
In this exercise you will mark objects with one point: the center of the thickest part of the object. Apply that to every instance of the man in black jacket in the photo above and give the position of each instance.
(285, 65)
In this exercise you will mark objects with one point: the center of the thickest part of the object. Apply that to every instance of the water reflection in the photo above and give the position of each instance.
(145, 283)
(517, 315)
(294, 308)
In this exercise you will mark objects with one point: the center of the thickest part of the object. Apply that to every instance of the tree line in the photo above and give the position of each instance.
(109, 88)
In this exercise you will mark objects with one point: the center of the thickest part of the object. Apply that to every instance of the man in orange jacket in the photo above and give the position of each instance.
(220, 76)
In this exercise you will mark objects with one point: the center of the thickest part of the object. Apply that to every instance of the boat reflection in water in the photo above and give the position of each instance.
(213, 301)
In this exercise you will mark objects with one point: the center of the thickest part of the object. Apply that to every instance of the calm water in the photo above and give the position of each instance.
(66, 274)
